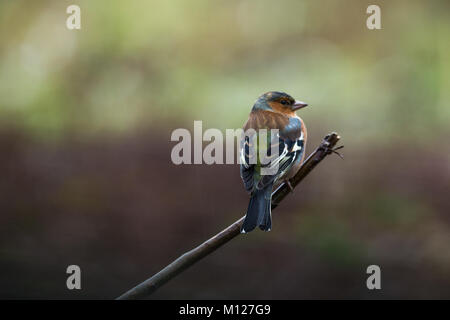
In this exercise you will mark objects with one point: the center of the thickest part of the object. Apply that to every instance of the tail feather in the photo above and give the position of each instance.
(259, 211)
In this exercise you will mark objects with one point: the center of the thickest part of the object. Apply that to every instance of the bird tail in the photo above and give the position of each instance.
(259, 211)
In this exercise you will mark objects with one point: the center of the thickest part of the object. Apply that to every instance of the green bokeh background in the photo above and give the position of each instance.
(86, 117)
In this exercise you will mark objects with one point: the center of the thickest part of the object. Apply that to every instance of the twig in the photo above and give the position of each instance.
(189, 258)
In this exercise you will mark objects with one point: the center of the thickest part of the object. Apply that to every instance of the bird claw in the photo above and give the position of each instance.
(288, 183)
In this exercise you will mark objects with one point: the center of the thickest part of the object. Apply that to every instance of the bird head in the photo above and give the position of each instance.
(278, 102)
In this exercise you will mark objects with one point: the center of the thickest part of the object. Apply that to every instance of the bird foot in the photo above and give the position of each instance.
(288, 183)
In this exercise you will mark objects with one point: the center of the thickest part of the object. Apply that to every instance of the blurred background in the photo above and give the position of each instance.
(85, 123)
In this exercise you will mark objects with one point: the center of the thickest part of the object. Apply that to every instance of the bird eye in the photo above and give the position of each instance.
(285, 102)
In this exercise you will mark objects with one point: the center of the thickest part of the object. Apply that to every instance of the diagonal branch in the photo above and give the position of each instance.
(189, 258)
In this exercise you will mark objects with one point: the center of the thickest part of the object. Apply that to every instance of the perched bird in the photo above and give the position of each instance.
(272, 110)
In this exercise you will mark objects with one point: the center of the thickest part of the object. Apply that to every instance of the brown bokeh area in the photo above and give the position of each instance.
(121, 211)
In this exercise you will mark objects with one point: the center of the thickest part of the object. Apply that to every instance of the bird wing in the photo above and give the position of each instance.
(289, 143)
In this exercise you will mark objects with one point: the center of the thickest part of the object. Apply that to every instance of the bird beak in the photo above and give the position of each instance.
(298, 105)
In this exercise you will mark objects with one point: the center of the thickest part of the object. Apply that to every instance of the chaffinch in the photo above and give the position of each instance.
(272, 110)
